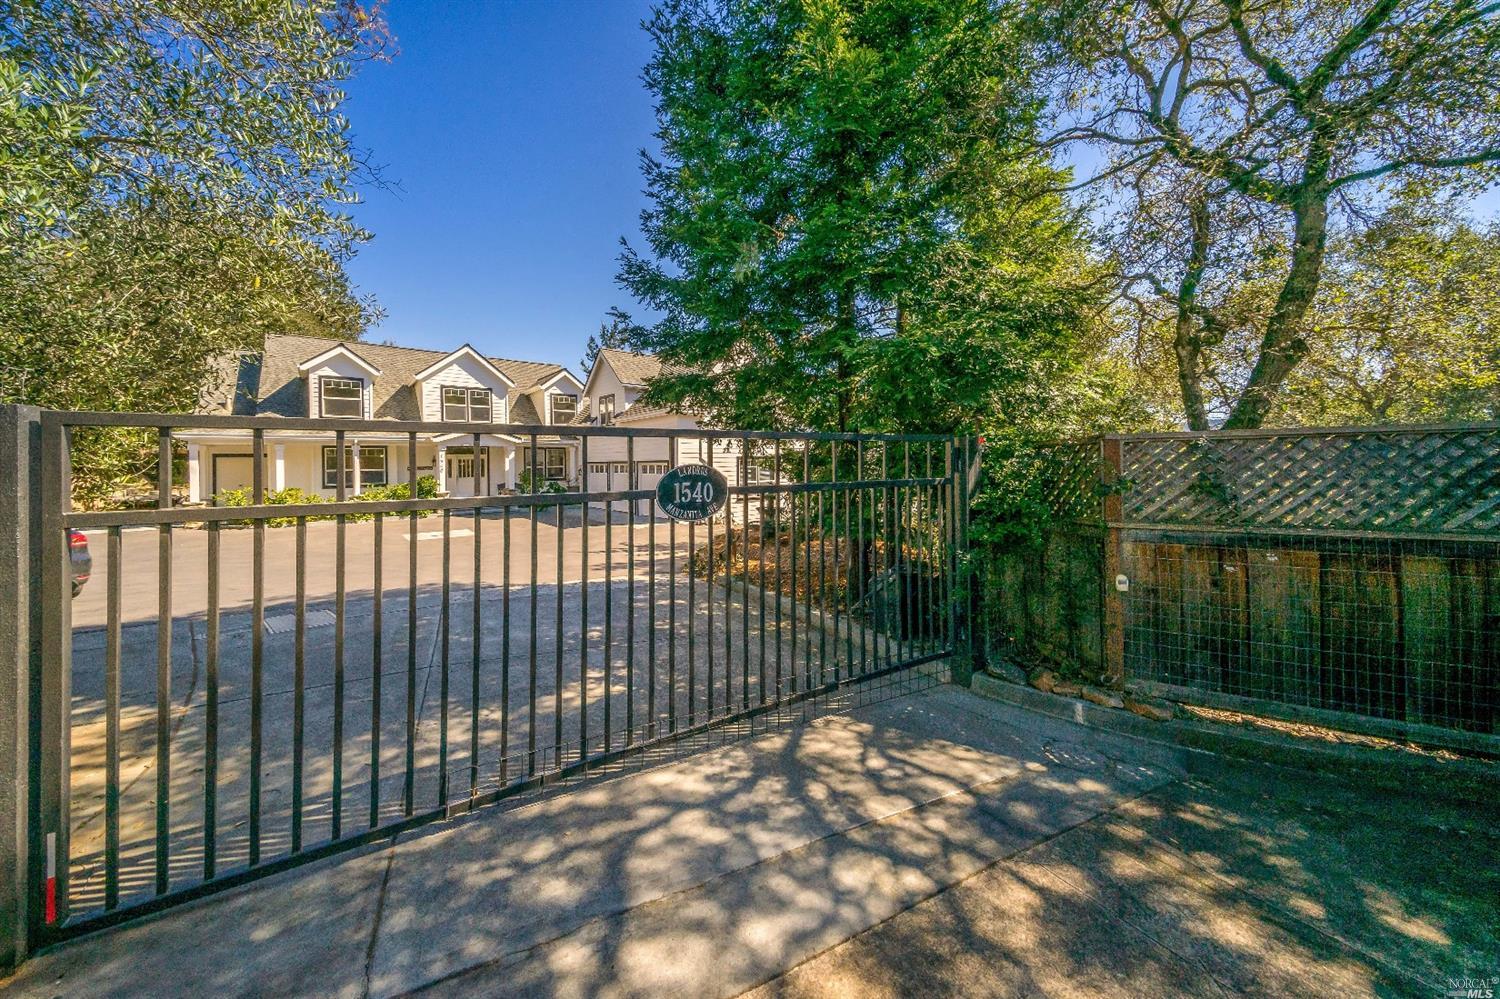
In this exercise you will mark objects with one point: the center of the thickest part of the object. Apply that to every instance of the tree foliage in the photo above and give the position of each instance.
(174, 176)
(615, 333)
(842, 233)
(1238, 132)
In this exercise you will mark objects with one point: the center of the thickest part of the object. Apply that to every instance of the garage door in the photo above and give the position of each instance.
(233, 471)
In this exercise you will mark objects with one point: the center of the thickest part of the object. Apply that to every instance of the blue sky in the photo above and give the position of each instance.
(512, 129)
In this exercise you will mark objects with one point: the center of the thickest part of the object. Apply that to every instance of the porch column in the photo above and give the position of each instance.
(354, 447)
(510, 468)
(440, 468)
(278, 468)
(195, 474)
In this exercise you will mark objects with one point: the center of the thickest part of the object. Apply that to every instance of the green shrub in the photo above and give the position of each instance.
(290, 496)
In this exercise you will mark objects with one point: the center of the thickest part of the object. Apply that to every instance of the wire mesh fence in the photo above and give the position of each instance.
(1348, 576)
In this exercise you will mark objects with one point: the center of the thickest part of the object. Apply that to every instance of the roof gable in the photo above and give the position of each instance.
(462, 352)
(338, 349)
(271, 384)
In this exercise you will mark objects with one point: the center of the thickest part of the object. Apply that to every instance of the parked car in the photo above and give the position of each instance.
(82, 561)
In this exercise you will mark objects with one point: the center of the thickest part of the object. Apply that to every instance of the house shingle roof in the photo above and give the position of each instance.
(636, 370)
(269, 384)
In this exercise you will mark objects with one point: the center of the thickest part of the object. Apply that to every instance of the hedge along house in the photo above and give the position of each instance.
(612, 392)
(301, 376)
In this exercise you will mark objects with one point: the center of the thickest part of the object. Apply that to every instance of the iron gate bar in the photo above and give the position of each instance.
(915, 532)
(583, 615)
(409, 783)
(211, 706)
(630, 479)
(341, 494)
(164, 661)
(112, 725)
(299, 686)
(377, 663)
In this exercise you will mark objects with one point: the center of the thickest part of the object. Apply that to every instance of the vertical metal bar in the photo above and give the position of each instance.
(949, 561)
(112, 726)
(630, 481)
(531, 633)
(925, 511)
(408, 793)
(557, 645)
(583, 603)
(807, 505)
(299, 687)
(692, 631)
(672, 601)
(340, 601)
(377, 664)
(928, 584)
(728, 623)
(257, 644)
(164, 665)
(823, 583)
(780, 574)
(51, 802)
(475, 638)
(652, 726)
(745, 577)
(505, 647)
(609, 601)
(881, 531)
(833, 513)
(211, 708)
(445, 617)
(862, 511)
(709, 594)
(760, 513)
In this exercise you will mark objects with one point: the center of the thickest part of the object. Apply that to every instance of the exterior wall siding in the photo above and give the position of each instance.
(463, 372)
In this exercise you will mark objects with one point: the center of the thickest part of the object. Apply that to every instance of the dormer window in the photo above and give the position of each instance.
(606, 409)
(564, 407)
(341, 398)
(467, 405)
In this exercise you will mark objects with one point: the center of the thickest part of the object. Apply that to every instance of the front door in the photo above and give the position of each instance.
(460, 471)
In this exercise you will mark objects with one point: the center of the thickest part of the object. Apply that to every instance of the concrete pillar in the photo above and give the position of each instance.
(195, 474)
(440, 468)
(20, 664)
(278, 468)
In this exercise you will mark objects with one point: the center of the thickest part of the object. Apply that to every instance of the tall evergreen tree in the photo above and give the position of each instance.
(614, 334)
(842, 234)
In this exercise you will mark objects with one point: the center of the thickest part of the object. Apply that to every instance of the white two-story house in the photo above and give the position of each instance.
(300, 376)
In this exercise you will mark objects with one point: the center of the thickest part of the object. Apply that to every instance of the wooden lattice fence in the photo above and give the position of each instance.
(1347, 576)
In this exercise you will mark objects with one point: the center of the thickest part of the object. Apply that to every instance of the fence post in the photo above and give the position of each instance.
(20, 662)
(1112, 509)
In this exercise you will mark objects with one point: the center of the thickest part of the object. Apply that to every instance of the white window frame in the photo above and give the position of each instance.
(543, 466)
(606, 409)
(358, 383)
(366, 471)
(552, 405)
(468, 397)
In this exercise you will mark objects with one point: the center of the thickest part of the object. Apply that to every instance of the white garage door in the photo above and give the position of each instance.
(233, 471)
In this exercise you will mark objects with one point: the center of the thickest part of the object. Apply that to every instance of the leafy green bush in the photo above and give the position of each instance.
(526, 484)
(290, 496)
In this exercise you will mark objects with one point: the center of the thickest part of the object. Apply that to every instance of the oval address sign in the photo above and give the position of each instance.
(692, 492)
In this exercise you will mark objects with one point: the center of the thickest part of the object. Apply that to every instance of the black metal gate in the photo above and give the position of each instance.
(241, 689)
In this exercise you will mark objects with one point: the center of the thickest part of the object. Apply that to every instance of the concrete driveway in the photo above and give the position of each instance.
(931, 844)
(140, 549)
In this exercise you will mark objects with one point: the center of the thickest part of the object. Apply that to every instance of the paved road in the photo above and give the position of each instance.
(141, 557)
(933, 844)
